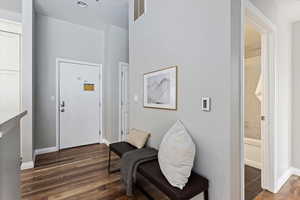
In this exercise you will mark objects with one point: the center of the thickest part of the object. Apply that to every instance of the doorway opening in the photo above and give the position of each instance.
(123, 100)
(79, 103)
(253, 94)
(260, 97)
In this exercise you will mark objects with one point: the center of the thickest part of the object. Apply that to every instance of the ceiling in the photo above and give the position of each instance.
(11, 5)
(290, 9)
(97, 13)
(253, 38)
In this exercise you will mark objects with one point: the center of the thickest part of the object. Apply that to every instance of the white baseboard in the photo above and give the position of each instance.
(106, 142)
(253, 153)
(254, 164)
(295, 171)
(45, 150)
(282, 180)
(27, 165)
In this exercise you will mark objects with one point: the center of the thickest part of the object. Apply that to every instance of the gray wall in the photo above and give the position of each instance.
(10, 15)
(60, 39)
(116, 51)
(187, 35)
(296, 97)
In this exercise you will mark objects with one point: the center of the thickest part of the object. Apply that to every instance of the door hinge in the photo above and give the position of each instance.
(122, 133)
(99, 132)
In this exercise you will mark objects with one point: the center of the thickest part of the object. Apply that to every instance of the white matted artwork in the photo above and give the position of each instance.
(160, 89)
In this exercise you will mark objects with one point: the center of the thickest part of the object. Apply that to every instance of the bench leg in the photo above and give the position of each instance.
(206, 195)
(109, 163)
(109, 155)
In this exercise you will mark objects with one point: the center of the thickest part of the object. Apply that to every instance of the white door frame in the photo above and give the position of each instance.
(270, 100)
(120, 98)
(58, 62)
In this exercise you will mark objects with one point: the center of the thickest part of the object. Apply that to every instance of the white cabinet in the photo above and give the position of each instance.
(9, 51)
(10, 96)
(10, 91)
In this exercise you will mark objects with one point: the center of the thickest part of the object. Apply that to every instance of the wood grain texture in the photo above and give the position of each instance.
(290, 191)
(81, 174)
(77, 174)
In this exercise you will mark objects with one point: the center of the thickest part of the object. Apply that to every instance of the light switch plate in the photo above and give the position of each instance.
(206, 104)
(136, 98)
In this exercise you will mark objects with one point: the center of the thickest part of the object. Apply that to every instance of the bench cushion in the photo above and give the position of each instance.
(196, 183)
(121, 148)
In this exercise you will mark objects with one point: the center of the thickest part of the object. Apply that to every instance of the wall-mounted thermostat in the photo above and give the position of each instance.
(206, 104)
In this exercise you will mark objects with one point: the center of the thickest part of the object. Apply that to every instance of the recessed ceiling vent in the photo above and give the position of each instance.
(82, 4)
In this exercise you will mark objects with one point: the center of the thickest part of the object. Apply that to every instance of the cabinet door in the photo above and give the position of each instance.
(9, 92)
(9, 51)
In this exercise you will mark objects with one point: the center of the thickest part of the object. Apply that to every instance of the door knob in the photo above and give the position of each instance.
(62, 104)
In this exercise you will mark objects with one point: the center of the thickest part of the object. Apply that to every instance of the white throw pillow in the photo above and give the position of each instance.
(137, 138)
(176, 155)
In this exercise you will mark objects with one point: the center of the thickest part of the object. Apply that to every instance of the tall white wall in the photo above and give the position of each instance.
(187, 34)
(296, 97)
(28, 19)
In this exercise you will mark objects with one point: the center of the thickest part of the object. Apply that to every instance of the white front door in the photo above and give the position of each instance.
(79, 104)
(124, 103)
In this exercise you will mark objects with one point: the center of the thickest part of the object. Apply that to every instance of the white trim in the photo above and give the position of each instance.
(295, 171)
(10, 26)
(269, 109)
(252, 149)
(27, 165)
(253, 163)
(252, 142)
(62, 60)
(105, 141)
(46, 150)
(285, 177)
(282, 180)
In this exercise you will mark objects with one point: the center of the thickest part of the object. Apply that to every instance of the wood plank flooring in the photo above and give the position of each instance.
(290, 191)
(76, 174)
(81, 174)
(252, 182)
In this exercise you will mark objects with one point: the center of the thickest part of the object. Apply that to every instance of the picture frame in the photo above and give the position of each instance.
(160, 89)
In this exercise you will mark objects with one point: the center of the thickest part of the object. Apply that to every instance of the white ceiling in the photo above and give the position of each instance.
(11, 5)
(253, 38)
(290, 9)
(95, 15)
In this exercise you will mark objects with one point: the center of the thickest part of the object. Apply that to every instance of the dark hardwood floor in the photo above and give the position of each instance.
(81, 174)
(290, 191)
(76, 174)
(252, 182)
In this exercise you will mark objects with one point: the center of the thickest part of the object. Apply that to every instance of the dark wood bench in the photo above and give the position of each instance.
(151, 171)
